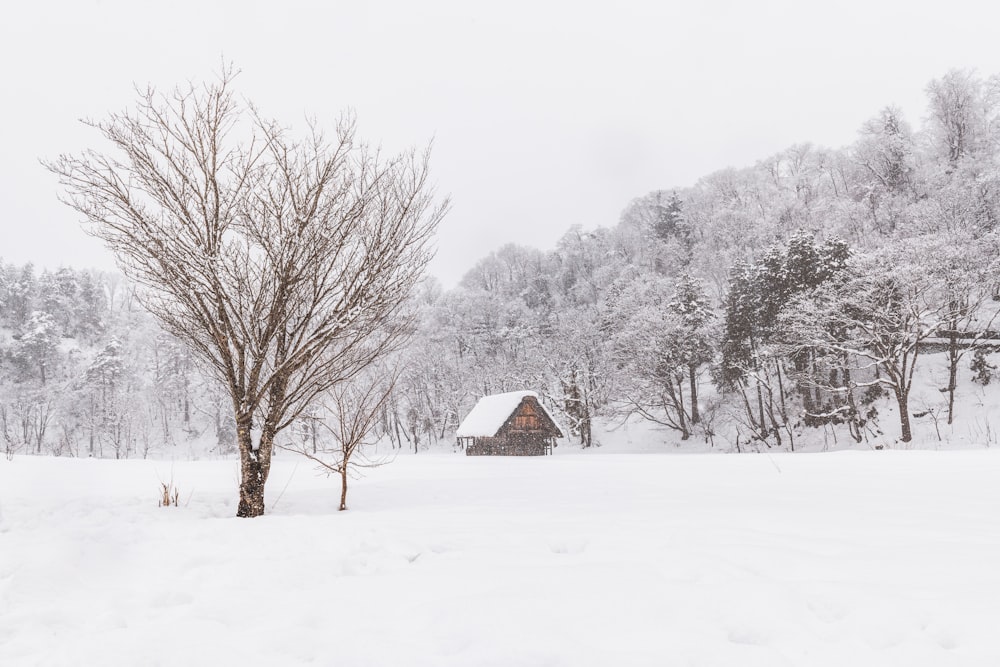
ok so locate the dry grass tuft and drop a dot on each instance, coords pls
(170, 495)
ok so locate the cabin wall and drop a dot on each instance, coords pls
(510, 444)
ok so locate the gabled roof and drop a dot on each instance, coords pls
(491, 412)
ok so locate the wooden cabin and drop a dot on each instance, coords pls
(511, 424)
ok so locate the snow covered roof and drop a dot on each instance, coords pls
(492, 411)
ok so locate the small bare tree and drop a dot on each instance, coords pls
(283, 262)
(353, 409)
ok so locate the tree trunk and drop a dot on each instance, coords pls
(784, 413)
(760, 407)
(343, 487)
(693, 380)
(255, 464)
(854, 425)
(953, 358)
(398, 441)
(584, 422)
(805, 364)
(252, 473)
(679, 404)
(902, 400)
(93, 418)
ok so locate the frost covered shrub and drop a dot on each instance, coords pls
(982, 369)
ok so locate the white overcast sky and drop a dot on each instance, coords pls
(543, 114)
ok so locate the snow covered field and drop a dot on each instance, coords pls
(848, 558)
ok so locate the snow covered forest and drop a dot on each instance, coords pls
(793, 301)
(760, 305)
(87, 372)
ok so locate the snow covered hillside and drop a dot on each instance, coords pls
(847, 558)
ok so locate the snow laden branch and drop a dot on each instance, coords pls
(878, 315)
(662, 340)
(283, 261)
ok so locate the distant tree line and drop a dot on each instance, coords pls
(756, 304)
(84, 371)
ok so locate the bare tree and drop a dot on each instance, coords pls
(353, 409)
(282, 262)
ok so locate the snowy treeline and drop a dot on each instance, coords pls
(761, 302)
(85, 371)
(802, 292)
